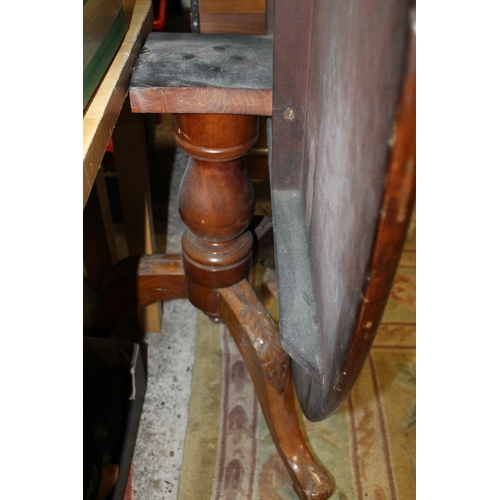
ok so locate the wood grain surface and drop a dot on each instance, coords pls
(216, 202)
(292, 35)
(359, 181)
(244, 17)
(194, 73)
(244, 24)
(100, 116)
(138, 281)
(233, 6)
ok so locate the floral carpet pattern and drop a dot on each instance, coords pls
(368, 445)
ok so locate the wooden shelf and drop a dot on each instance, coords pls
(100, 116)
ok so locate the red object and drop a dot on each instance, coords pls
(109, 147)
(160, 7)
(159, 22)
(129, 491)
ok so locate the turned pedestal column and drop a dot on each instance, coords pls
(216, 202)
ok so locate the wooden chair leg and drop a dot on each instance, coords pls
(257, 338)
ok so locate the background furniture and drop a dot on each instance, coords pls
(106, 116)
(246, 17)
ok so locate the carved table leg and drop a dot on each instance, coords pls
(216, 201)
(257, 337)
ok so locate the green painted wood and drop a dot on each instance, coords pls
(98, 17)
(99, 64)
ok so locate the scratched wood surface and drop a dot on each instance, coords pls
(334, 116)
(195, 73)
(348, 137)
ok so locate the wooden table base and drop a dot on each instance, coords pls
(216, 202)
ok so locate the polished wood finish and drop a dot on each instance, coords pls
(290, 80)
(215, 137)
(217, 247)
(329, 171)
(232, 6)
(329, 165)
(217, 255)
(216, 201)
(138, 281)
(394, 217)
(257, 338)
(246, 17)
(194, 73)
(246, 24)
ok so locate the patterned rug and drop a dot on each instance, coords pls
(368, 446)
